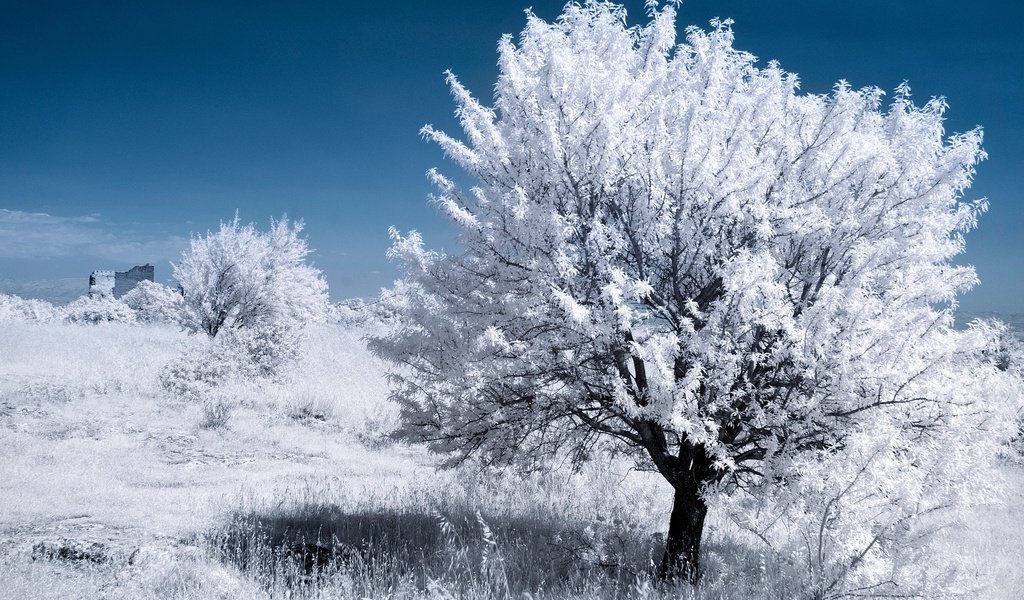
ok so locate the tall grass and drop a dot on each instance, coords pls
(477, 534)
(88, 359)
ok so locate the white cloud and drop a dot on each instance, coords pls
(26, 235)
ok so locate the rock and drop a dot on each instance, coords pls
(72, 551)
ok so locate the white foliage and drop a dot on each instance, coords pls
(861, 516)
(204, 365)
(671, 249)
(236, 356)
(101, 309)
(15, 309)
(155, 302)
(240, 277)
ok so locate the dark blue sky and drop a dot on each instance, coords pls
(127, 126)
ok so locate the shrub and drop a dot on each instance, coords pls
(199, 369)
(99, 310)
(309, 405)
(265, 351)
(17, 309)
(155, 302)
(216, 413)
(207, 364)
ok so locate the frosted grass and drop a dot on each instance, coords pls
(94, 449)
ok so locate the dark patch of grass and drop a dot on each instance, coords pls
(72, 551)
(467, 549)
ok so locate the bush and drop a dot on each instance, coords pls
(216, 413)
(155, 303)
(265, 350)
(307, 405)
(262, 353)
(865, 516)
(197, 371)
(17, 309)
(99, 310)
(1007, 355)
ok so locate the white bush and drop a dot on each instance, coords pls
(99, 310)
(1008, 356)
(17, 309)
(265, 351)
(207, 364)
(195, 373)
(155, 302)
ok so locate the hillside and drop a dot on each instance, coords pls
(126, 484)
(114, 488)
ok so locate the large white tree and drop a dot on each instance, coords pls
(240, 277)
(671, 251)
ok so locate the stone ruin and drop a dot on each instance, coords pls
(118, 283)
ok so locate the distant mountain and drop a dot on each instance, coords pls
(56, 291)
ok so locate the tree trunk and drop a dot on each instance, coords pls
(685, 529)
(688, 471)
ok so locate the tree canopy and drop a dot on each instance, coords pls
(670, 251)
(239, 277)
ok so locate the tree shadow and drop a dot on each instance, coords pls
(527, 553)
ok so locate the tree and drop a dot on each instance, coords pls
(239, 277)
(671, 252)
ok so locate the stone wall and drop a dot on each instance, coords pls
(124, 282)
(101, 284)
(117, 284)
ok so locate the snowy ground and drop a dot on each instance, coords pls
(95, 443)
(96, 455)
(95, 451)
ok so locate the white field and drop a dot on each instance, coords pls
(94, 450)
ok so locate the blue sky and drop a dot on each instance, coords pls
(127, 126)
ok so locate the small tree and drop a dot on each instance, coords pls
(239, 277)
(671, 252)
